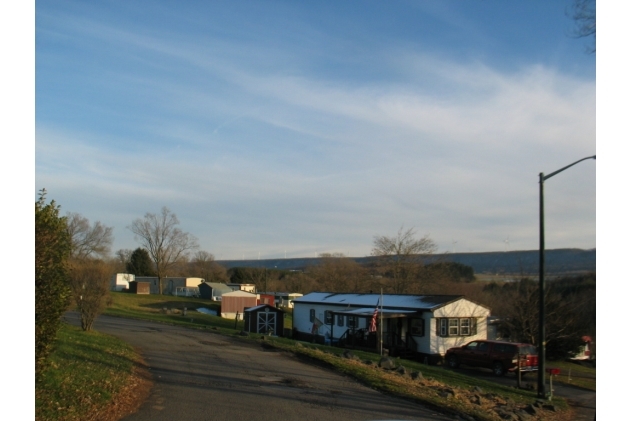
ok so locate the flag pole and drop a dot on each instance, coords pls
(381, 327)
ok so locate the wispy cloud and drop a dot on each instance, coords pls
(259, 147)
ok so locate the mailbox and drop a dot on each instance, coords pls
(553, 371)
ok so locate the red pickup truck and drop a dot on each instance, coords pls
(498, 356)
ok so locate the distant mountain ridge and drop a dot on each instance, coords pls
(524, 262)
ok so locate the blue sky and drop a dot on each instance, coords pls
(297, 128)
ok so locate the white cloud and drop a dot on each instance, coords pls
(258, 158)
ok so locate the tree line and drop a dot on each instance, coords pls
(570, 304)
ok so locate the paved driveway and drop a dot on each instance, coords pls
(199, 375)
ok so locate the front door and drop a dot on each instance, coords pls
(394, 335)
(266, 323)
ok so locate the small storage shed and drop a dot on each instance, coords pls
(152, 281)
(233, 303)
(213, 290)
(264, 319)
(136, 287)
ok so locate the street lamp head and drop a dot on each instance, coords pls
(543, 177)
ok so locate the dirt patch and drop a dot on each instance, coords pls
(286, 381)
(129, 399)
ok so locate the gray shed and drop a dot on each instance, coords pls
(264, 319)
(213, 290)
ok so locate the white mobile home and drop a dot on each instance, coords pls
(286, 299)
(405, 325)
(172, 285)
(243, 287)
(120, 281)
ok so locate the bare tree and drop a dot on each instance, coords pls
(256, 276)
(298, 282)
(431, 278)
(123, 257)
(518, 306)
(89, 283)
(203, 265)
(583, 13)
(398, 256)
(182, 267)
(88, 240)
(164, 241)
(337, 273)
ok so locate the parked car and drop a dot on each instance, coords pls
(501, 357)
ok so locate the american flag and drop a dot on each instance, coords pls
(373, 321)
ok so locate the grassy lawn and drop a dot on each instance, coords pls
(577, 374)
(151, 307)
(86, 370)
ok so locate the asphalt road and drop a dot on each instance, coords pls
(200, 375)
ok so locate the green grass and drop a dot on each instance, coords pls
(153, 304)
(151, 307)
(85, 370)
(577, 374)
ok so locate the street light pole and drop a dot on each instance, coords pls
(541, 385)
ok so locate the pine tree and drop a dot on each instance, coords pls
(140, 263)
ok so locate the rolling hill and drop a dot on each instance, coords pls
(524, 262)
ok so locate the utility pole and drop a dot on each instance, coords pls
(541, 383)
